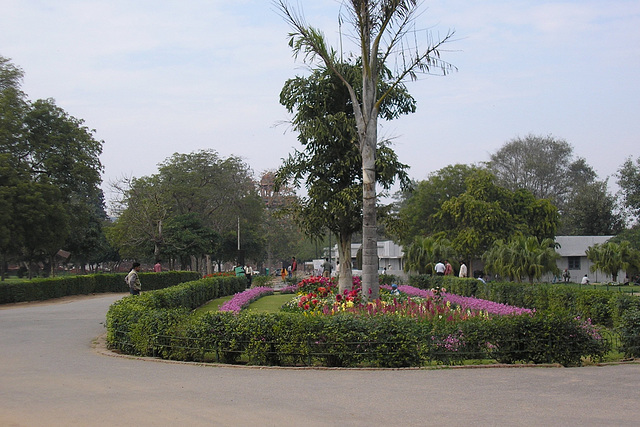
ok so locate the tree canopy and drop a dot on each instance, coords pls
(198, 196)
(54, 159)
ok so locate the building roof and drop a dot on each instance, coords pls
(577, 245)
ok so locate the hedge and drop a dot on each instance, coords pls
(601, 306)
(57, 287)
(134, 320)
(162, 324)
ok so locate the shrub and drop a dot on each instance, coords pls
(630, 333)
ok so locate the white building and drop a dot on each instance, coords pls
(573, 250)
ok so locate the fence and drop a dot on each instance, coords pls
(313, 352)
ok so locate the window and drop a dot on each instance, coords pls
(574, 263)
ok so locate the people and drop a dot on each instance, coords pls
(566, 275)
(248, 272)
(585, 280)
(294, 267)
(394, 290)
(157, 268)
(448, 270)
(133, 280)
(326, 268)
(283, 274)
(463, 269)
(440, 268)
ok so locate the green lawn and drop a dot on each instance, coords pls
(268, 304)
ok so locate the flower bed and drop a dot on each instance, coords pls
(243, 299)
(465, 302)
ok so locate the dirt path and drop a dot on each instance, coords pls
(50, 375)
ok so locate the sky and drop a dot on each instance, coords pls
(154, 78)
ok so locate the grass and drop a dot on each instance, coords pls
(213, 305)
(267, 304)
(270, 303)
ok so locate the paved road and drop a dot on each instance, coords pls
(51, 376)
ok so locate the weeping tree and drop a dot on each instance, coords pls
(385, 35)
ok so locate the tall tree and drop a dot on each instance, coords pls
(629, 182)
(57, 150)
(384, 35)
(220, 191)
(331, 163)
(544, 165)
(591, 211)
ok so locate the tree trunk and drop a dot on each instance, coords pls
(370, 284)
(345, 273)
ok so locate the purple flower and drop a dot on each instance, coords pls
(243, 299)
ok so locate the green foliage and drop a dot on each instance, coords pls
(424, 252)
(51, 172)
(143, 324)
(43, 289)
(630, 333)
(611, 257)
(424, 200)
(200, 197)
(629, 182)
(522, 257)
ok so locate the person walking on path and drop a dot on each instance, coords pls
(294, 266)
(448, 270)
(440, 268)
(463, 269)
(326, 268)
(133, 280)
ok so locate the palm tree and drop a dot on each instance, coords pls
(523, 256)
(425, 252)
(610, 257)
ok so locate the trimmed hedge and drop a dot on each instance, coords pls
(603, 307)
(57, 287)
(134, 320)
(162, 324)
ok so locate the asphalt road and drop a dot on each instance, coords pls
(51, 375)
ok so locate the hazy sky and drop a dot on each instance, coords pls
(165, 76)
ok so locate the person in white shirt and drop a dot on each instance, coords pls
(440, 268)
(463, 270)
(585, 280)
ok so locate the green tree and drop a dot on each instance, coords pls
(423, 253)
(56, 150)
(220, 191)
(611, 257)
(522, 256)
(331, 164)
(384, 35)
(486, 212)
(544, 165)
(629, 182)
(592, 211)
(186, 237)
(419, 204)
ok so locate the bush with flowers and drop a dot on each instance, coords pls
(413, 328)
